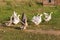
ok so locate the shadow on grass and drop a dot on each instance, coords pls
(12, 26)
(18, 28)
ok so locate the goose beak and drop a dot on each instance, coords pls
(41, 14)
(52, 12)
(18, 15)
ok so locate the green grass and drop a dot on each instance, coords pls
(30, 8)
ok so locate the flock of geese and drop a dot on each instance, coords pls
(36, 19)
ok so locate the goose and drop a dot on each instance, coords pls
(13, 19)
(37, 19)
(24, 21)
(16, 19)
(47, 16)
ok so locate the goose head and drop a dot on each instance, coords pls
(18, 15)
(46, 14)
(51, 13)
(15, 14)
(41, 14)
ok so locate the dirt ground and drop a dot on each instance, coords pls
(50, 32)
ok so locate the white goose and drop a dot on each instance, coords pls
(47, 16)
(16, 19)
(37, 19)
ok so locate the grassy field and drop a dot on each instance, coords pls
(30, 8)
(14, 34)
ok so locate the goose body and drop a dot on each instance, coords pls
(47, 17)
(37, 19)
(16, 19)
(24, 21)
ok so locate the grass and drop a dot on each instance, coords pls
(14, 34)
(30, 8)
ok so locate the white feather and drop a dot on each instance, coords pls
(47, 17)
(16, 18)
(37, 19)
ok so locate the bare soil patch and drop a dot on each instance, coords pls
(50, 32)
